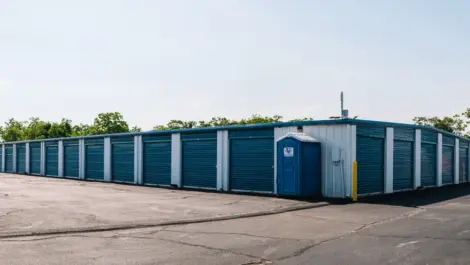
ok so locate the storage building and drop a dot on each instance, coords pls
(344, 158)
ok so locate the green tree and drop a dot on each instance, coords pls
(82, 130)
(179, 124)
(36, 129)
(136, 129)
(109, 122)
(221, 121)
(160, 128)
(217, 122)
(302, 119)
(258, 119)
(456, 124)
(13, 130)
(61, 130)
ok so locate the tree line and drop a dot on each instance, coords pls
(114, 122)
(37, 129)
(458, 124)
(221, 121)
(110, 122)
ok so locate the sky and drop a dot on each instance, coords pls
(159, 60)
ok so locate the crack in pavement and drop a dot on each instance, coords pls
(262, 262)
(296, 253)
(142, 225)
(324, 219)
(417, 237)
(12, 212)
(195, 245)
(355, 231)
(228, 233)
(55, 237)
(258, 259)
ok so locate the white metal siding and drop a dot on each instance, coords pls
(106, 159)
(176, 159)
(138, 161)
(456, 161)
(417, 158)
(337, 145)
(43, 158)
(28, 159)
(14, 159)
(3, 158)
(222, 160)
(389, 138)
(81, 158)
(60, 160)
(439, 160)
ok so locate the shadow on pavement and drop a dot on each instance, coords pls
(421, 197)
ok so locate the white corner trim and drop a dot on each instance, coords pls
(176, 160)
(389, 160)
(456, 161)
(107, 159)
(439, 160)
(417, 160)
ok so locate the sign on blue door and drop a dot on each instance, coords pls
(288, 151)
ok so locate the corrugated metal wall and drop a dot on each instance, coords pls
(403, 159)
(157, 159)
(448, 156)
(122, 159)
(338, 153)
(52, 159)
(199, 157)
(252, 160)
(428, 158)
(370, 159)
(94, 159)
(463, 163)
(35, 158)
(21, 158)
(9, 158)
(71, 159)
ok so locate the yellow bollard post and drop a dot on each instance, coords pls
(354, 181)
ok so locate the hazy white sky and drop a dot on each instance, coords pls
(159, 60)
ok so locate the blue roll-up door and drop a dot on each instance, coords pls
(370, 159)
(94, 159)
(428, 158)
(71, 159)
(157, 159)
(403, 159)
(122, 159)
(252, 160)
(35, 158)
(448, 160)
(52, 159)
(21, 158)
(463, 162)
(9, 158)
(199, 160)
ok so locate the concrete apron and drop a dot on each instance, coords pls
(139, 225)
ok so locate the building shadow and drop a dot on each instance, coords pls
(422, 197)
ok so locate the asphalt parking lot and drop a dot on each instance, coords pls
(30, 204)
(426, 227)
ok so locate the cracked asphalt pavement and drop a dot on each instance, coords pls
(425, 227)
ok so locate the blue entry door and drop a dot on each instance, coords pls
(289, 172)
